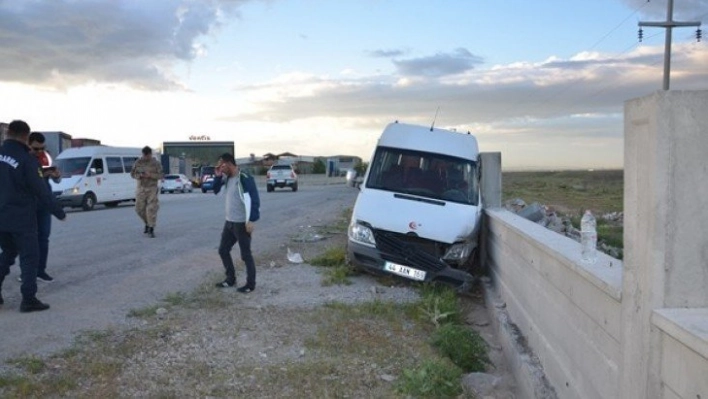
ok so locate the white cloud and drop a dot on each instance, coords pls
(440, 64)
(65, 43)
(684, 10)
(116, 64)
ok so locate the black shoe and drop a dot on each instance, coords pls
(151, 232)
(245, 289)
(32, 305)
(225, 284)
(44, 277)
(1, 300)
(147, 229)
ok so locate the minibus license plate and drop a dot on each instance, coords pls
(405, 271)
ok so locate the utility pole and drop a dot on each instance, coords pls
(669, 24)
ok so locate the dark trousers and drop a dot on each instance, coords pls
(236, 233)
(27, 245)
(44, 228)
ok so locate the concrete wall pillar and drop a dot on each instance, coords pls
(665, 225)
(491, 187)
(491, 180)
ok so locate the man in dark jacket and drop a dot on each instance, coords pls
(242, 210)
(23, 187)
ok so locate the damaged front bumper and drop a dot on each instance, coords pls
(407, 256)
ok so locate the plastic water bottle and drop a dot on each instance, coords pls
(588, 237)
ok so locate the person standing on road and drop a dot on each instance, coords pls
(44, 216)
(242, 210)
(147, 171)
(23, 186)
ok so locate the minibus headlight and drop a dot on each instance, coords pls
(459, 252)
(361, 234)
(71, 191)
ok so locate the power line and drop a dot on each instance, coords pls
(562, 89)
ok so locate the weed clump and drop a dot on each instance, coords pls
(435, 378)
(464, 347)
(335, 256)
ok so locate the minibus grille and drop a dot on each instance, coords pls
(409, 250)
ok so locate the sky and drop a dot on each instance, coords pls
(542, 82)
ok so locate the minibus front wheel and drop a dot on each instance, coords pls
(88, 202)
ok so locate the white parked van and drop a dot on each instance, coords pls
(95, 175)
(418, 212)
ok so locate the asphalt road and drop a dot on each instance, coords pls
(104, 266)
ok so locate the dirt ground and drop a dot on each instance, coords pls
(208, 342)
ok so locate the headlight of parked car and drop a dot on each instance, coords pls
(361, 234)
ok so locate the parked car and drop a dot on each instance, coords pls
(353, 178)
(176, 183)
(207, 178)
(208, 184)
(281, 175)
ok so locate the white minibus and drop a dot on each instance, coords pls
(418, 212)
(95, 175)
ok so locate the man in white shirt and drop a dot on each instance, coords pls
(242, 211)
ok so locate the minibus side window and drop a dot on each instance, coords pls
(115, 165)
(129, 162)
(96, 167)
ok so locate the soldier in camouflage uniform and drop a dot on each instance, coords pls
(148, 172)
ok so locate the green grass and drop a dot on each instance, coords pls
(439, 305)
(570, 193)
(31, 364)
(334, 256)
(336, 272)
(464, 347)
(601, 191)
(144, 312)
(434, 378)
(177, 298)
(612, 235)
(338, 275)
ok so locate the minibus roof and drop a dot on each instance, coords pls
(421, 138)
(91, 151)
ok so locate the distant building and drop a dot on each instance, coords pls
(194, 154)
(56, 142)
(75, 143)
(337, 165)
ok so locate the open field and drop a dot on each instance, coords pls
(570, 193)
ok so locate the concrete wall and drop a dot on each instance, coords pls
(568, 312)
(683, 350)
(637, 329)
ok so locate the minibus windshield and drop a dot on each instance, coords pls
(424, 174)
(72, 166)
